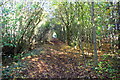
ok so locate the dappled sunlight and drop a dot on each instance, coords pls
(55, 60)
(55, 63)
(52, 39)
(34, 59)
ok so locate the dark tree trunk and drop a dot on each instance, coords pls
(94, 37)
(118, 25)
(68, 35)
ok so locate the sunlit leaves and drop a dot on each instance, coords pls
(19, 6)
(69, 20)
(17, 22)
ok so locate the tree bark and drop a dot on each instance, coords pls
(118, 25)
(68, 35)
(94, 37)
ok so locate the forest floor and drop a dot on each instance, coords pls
(55, 60)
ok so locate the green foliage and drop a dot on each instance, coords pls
(13, 70)
(17, 26)
(105, 69)
(72, 23)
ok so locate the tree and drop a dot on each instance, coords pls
(65, 14)
(118, 24)
(18, 25)
(94, 36)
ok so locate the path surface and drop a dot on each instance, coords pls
(56, 60)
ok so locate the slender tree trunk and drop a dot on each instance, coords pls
(118, 25)
(94, 37)
(68, 35)
(82, 49)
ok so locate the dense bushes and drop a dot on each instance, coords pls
(18, 26)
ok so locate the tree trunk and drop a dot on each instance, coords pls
(68, 35)
(94, 37)
(118, 25)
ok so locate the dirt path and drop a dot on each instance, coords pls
(54, 59)
(54, 62)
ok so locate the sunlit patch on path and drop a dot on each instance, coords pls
(57, 61)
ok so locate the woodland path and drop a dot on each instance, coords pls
(56, 60)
